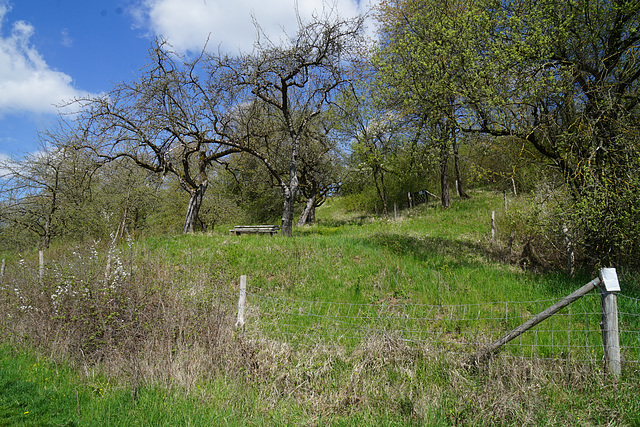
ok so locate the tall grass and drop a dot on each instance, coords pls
(149, 324)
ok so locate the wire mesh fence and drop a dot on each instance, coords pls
(574, 332)
(629, 324)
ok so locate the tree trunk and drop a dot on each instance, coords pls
(382, 194)
(287, 211)
(194, 207)
(308, 215)
(444, 175)
(311, 219)
(456, 160)
(290, 191)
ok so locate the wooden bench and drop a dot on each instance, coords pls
(254, 229)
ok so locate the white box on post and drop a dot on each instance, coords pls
(609, 278)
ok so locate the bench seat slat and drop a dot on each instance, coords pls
(246, 229)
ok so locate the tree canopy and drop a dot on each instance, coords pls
(562, 76)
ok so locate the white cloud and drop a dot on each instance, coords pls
(4, 160)
(27, 83)
(67, 41)
(228, 24)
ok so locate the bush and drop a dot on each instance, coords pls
(119, 308)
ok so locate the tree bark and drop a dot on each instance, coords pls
(308, 215)
(311, 219)
(287, 211)
(456, 160)
(290, 191)
(194, 207)
(444, 175)
(380, 187)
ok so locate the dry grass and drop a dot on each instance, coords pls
(144, 324)
(134, 317)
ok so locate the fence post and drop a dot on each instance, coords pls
(409, 196)
(505, 201)
(2, 269)
(569, 250)
(609, 287)
(493, 226)
(242, 298)
(395, 211)
(41, 266)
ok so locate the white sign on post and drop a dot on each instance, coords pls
(610, 279)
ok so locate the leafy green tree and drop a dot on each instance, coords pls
(419, 64)
(562, 76)
(569, 75)
(375, 136)
(123, 197)
(254, 188)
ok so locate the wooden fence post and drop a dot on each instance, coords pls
(2, 269)
(242, 299)
(410, 203)
(610, 333)
(395, 211)
(41, 266)
(493, 226)
(569, 250)
(505, 201)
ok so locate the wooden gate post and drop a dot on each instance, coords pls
(609, 286)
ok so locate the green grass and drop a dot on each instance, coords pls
(431, 256)
(154, 358)
(36, 391)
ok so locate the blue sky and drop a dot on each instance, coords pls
(55, 50)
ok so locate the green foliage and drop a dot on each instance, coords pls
(608, 216)
(561, 76)
(254, 190)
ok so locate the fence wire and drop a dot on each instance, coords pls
(572, 333)
(629, 326)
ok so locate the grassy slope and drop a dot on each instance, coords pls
(430, 256)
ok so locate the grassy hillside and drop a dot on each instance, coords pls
(143, 333)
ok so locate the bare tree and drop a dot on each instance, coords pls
(41, 189)
(284, 90)
(164, 121)
(320, 171)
